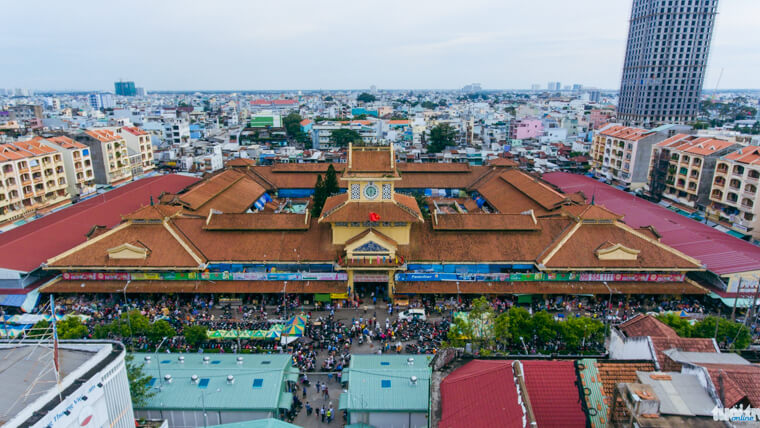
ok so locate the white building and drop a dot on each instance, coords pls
(93, 391)
(176, 131)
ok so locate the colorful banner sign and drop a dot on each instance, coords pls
(541, 276)
(207, 276)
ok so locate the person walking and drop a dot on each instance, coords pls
(329, 415)
(308, 409)
(322, 413)
(304, 392)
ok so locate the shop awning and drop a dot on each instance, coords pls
(343, 401)
(286, 400)
(322, 297)
(525, 298)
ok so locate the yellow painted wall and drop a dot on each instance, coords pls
(749, 281)
(363, 184)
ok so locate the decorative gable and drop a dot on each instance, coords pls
(370, 247)
(610, 251)
(128, 251)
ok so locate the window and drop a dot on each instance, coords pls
(257, 383)
(203, 384)
(385, 383)
(355, 191)
(386, 191)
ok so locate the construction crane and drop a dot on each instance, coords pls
(717, 83)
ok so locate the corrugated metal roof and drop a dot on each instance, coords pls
(258, 423)
(705, 357)
(258, 381)
(679, 394)
(376, 386)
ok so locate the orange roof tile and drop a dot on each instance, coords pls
(134, 130)
(66, 142)
(258, 221)
(696, 145)
(482, 221)
(624, 132)
(103, 135)
(747, 155)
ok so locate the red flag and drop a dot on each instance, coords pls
(374, 217)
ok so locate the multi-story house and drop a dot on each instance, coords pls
(176, 131)
(80, 175)
(109, 154)
(682, 168)
(138, 143)
(32, 177)
(734, 190)
(621, 154)
(322, 133)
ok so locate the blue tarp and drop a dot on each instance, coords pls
(15, 300)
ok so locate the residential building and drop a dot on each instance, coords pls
(91, 391)
(369, 132)
(621, 154)
(176, 131)
(600, 117)
(30, 115)
(526, 128)
(78, 165)
(734, 190)
(110, 157)
(102, 100)
(682, 168)
(195, 390)
(665, 61)
(388, 391)
(32, 177)
(125, 89)
(138, 145)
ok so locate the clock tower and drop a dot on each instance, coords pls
(371, 221)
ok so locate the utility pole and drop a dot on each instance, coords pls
(736, 300)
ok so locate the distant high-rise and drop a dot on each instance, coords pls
(126, 89)
(665, 59)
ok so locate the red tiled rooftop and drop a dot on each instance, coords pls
(554, 393)
(720, 252)
(748, 155)
(482, 393)
(26, 247)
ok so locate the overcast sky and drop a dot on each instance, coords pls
(325, 44)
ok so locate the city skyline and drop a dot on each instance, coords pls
(300, 45)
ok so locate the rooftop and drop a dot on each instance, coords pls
(384, 383)
(694, 144)
(258, 382)
(722, 253)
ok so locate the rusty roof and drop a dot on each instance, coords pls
(483, 221)
(258, 221)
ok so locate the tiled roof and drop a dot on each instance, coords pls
(134, 130)
(591, 212)
(694, 144)
(481, 394)
(103, 135)
(690, 344)
(66, 142)
(230, 191)
(258, 221)
(554, 393)
(370, 161)
(545, 196)
(408, 167)
(577, 249)
(740, 383)
(612, 373)
(624, 132)
(339, 209)
(165, 249)
(66, 228)
(646, 325)
(719, 251)
(484, 222)
(747, 155)
(153, 212)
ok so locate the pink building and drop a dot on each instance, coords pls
(526, 128)
(600, 117)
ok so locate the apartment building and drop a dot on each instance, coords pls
(682, 168)
(621, 154)
(176, 131)
(32, 177)
(109, 154)
(77, 161)
(322, 133)
(526, 128)
(734, 190)
(139, 147)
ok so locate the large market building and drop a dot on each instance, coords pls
(489, 229)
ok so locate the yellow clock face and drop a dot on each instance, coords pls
(370, 191)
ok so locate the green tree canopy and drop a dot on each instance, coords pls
(195, 334)
(733, 334)
(331, 181)
(138, 382)
(441, 136)
(161, 329)
(318, 200)
(341, 137)
(366, 98)
(71, 328)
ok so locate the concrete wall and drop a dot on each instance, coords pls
(391, 419)
(630, 348)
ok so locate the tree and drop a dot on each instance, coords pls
(195, 335)
(138, 382)
(341, 137)
(680, 325)
(292, 124)
(366, 98)
(460, 332)
(161, 329)
(519, 323)
(318, 200)
(331, 182)
(501, 329)
(429, 105)
(732, 334)
(441, 136)
(544, 326)
(71, 328)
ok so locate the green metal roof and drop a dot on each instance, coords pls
(374, 385)
(258, 423)
(261, 121)
(258, 381)
(594, 394)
